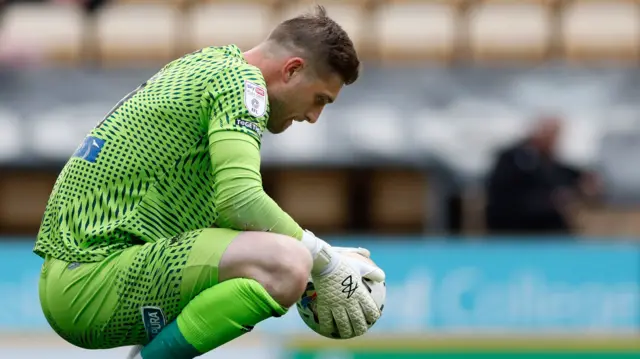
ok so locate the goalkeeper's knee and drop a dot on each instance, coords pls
(279, 263)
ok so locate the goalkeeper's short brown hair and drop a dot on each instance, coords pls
(322, 40)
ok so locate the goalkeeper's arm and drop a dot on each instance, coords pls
(240, 199)
(242, 203)
(234, 136)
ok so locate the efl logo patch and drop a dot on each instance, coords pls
(255, 99)
(90, 149)
(154, 321)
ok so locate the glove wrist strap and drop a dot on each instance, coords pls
(325, 260)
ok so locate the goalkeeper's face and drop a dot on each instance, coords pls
(301, 95)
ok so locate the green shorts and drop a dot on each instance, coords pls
(127, 298)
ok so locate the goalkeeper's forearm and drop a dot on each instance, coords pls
(250, 208)
(242, 203)
(240, 199)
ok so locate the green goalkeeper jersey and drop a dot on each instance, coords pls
(179, 153)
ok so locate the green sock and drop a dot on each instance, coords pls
(169, 343)
(215, 317)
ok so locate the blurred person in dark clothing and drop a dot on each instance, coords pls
(90, 6)
(530, 191)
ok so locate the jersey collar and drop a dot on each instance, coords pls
(234, 51)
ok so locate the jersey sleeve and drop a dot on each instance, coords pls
(239, 114)
(238, 102)
(240, 199)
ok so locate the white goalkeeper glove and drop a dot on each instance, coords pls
(361, 251)
(343, 301)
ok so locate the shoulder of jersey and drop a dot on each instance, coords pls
(255, 97)
(255, 92)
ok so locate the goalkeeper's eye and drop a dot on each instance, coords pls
(323, 100)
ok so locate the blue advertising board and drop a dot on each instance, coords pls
(441, 286)
(504, 287)
(19, 274)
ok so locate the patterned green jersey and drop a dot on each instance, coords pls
(146, 172)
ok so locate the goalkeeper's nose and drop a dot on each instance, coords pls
(312, 117)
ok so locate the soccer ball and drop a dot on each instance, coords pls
(307, 304)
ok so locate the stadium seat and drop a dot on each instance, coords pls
(601, 30)
(10, 137)
(581, 137)
(509, 30)
(216, 23)
(302, 141)
(398, 201)
(54, 137)
(272, 3)
(176, 3)
(616, 154)
(317, 199)
(416, 30)
(375, 129)
(350, 14)
(432, 132)
(47, 32)
(23, 198)
(137, 33)
(608, 222)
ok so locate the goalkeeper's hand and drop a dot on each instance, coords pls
(359, 250)
(343, 301)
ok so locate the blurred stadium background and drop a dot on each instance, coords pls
(398, 164)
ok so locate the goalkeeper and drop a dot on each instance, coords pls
(158, 232)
